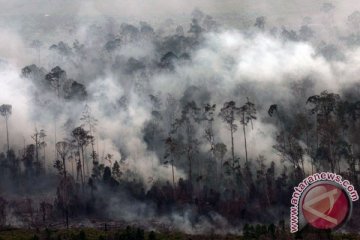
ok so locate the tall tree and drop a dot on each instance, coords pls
(324, 107)
(5, 111)
(38, 143)
(42, 135)
(172, 151)
(82, 139)
(190, 116)
(228, 115)
(209, 111)
(63, 149)
(220, 150)
(247, 114)
(91, 123)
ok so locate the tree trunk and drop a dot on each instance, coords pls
(302, 165)
(221, 171)
(232, 147)
(43, 139)
(173, 176)
(56, 153)
(64, 164)
(246, 155)
(83, 165)
(190, 165)
(37, 147)
(87, 164)
(67, 217)
(332, 160)
(7, 133)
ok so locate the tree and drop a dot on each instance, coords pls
(42, 136)
(91, 123)
(3, 205)
(116, 172)
(190, 115)
(55, 79)
(293, 153)
(228, 115)
(63, 149)
(209, 111)
(352, 116)
(172, 148)
(247, 113)
(5, 111)
(324, 107)
(82, 139)
(38, 137)
(108, 179)
(77, 91)
(66, 196)
(220, 150)
(303, 126)
(195, 28)
(28, 159)
(260, 23)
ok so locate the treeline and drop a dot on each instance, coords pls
(241, 189)
(224, 181)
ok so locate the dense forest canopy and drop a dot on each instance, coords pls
(196, 122)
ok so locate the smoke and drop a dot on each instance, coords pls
(227, 64)
(186, 220)
(121, 65)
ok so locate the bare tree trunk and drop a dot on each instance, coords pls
(302, 165)
(317, 134)
(232, 147)
(64, 164)
(67, 216)
(246, 155)
(44, 146)
(173, 176)
(56, 153)
(190, 165)
(309, 150)
(83, 165)
(72, 168)
(66, 195)
(7, 133)
(332, 160)
(37, 147)
(87, 164)
(221, 171)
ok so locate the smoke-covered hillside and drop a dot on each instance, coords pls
(176, 119)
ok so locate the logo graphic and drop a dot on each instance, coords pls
(322, 200)
(325, 206)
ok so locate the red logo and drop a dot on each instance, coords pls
(325, 206)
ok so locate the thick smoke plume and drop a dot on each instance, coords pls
(136, 78)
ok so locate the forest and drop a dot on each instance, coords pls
(141, 130)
